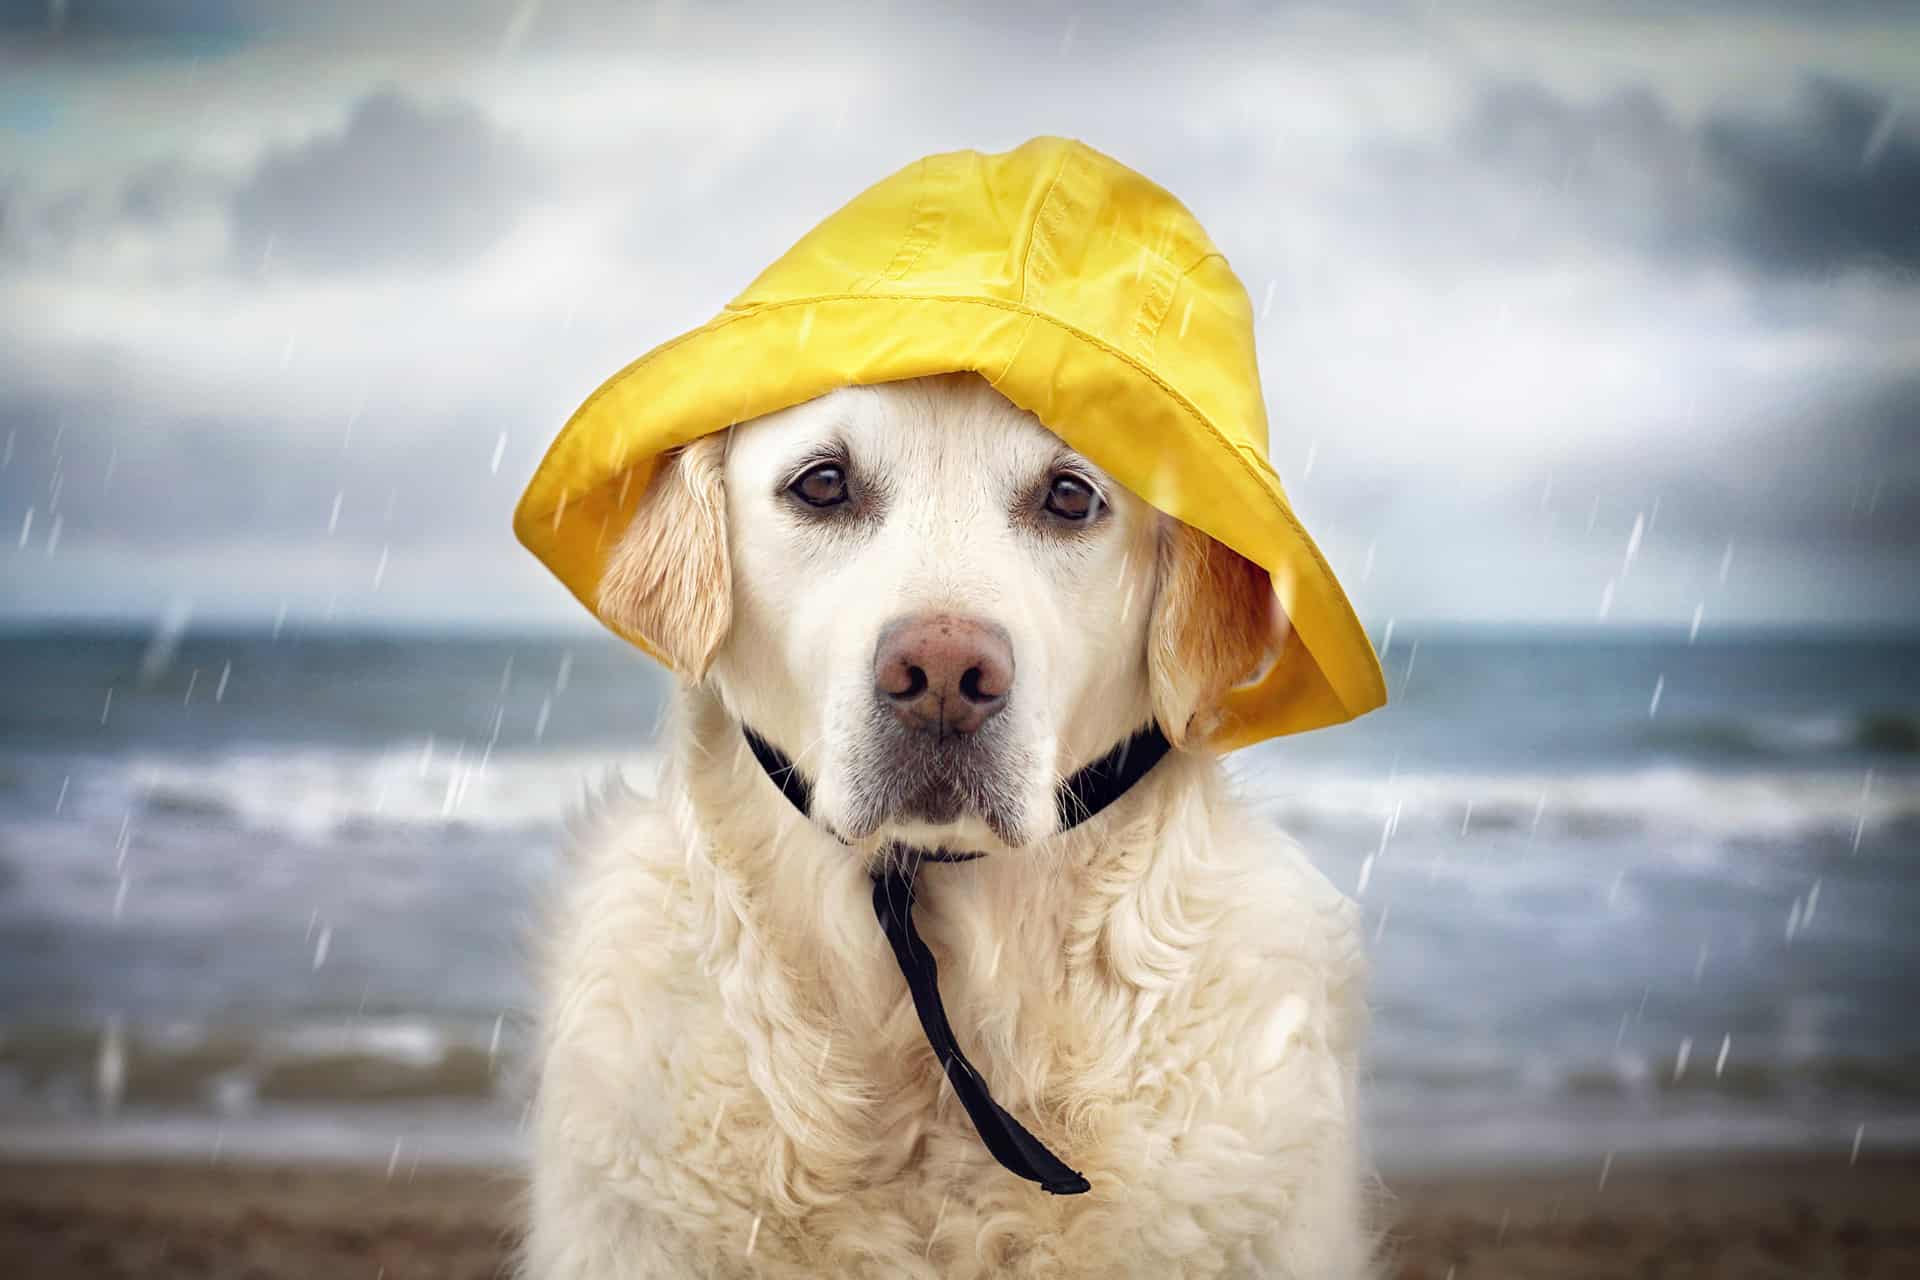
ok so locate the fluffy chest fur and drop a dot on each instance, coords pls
(733, 1081)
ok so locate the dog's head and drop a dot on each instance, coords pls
(933, 605)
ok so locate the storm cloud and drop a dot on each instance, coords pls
(1827, 182)
(1835, 185)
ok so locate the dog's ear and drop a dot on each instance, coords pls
(1215, 623)
(669, 579)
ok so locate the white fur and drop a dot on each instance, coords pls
(732, 1080)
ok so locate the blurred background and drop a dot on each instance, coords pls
(1591, 343)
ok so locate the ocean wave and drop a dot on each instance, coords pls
(1781, 804)
(233, 1068)
(1884, 732)
(321, 794)
(359, 796)
(1741, 1079)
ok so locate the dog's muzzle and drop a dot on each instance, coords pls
(894, 888)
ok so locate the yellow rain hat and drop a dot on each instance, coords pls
(1084, 293)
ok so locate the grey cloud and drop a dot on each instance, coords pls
(1832, 183)
(1837, 185)
(404, 183)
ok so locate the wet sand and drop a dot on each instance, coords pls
(1726, 1217)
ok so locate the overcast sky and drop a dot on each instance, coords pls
(293, 296)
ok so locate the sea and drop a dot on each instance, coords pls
(269, 892)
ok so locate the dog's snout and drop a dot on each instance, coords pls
(942, 673)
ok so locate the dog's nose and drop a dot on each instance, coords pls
(942, 673)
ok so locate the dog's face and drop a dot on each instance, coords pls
(933, 605)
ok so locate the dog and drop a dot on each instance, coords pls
(938, 611)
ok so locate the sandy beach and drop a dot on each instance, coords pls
(1729, 1217)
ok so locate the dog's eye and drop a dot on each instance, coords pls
(1072, 499)
(821, 486)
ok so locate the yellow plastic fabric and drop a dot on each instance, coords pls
(1083, 292)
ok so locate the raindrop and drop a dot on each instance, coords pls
(1726, 562)
(493, 1044)
(1860, 823)
(1633, 542)
(1266, 309)
(1693, 631)
(1680, 1060)
(566, 672)
(1720, 1063)
(1606, 1168)
(110, 1066)
(321, 947)
(1366, 874)
(1659, 687)
(1881, 135)
(1813, 900)
(53, 534)
(499, 448)
(1860, 1131)
(107, 706)
(1381, 928)
(192, 680)
(1386, 640)
(380, 570)
(333, 517)
(1606, 600)
(60, 801)
(393, 1161)
(120, 898)
(540, 722)
(160, 651)
(1466, 819)
(346, 436)
(26, 529)
(226, 672)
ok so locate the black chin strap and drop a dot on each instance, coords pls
(1080, 797)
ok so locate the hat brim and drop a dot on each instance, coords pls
(751, 361)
